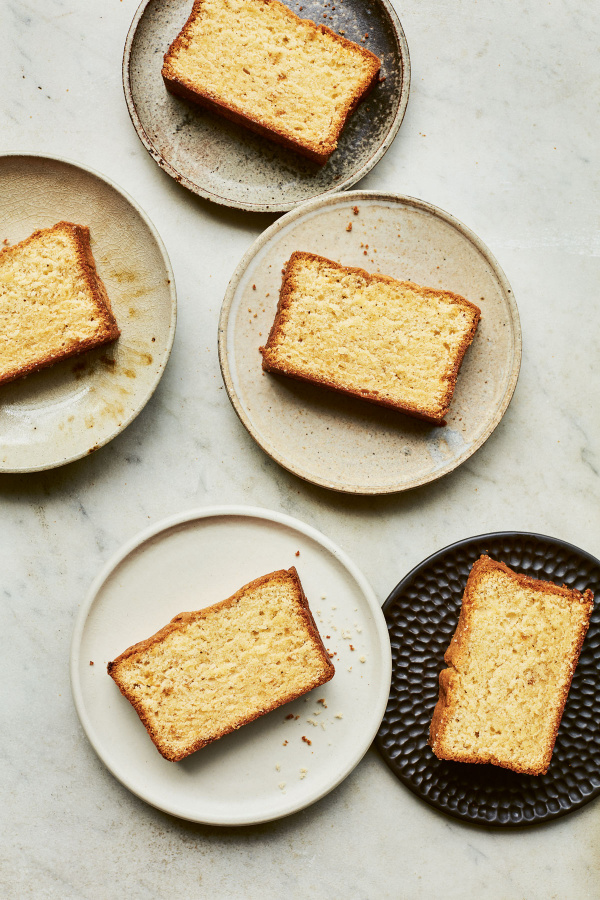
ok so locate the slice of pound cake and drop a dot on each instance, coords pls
(53, 303)
(257, 63)
(207, 673)
(511, 662)
(391, 342)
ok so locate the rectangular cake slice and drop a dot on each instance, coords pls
(53, 303)
(257, 63)
(207, 673)
(394, 343)
(511, 662)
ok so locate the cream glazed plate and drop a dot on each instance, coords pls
(345, 443)
(70, 409)
(265, 770)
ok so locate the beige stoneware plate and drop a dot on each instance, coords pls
(64, 412)
(265, 770)
(230, 165)
(341, 442)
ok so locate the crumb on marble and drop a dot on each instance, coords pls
(355, 210)
(363, 659)
(349, 226)
(306, 740)
(339, 715)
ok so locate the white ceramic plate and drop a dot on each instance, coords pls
(342, 442)
(64, 412)
(194, 560)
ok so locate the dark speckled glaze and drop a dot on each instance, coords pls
(229, 164)
(422, 613)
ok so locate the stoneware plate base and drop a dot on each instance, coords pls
(70, 409)
(345, 443)
(227, 163)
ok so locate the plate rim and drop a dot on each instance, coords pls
(273, 207)
(351, 197)
(391, 600)
(483, 537)
(237, 510)
(16, 154)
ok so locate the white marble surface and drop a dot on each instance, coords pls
(502, 131)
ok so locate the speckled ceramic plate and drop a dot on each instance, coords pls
(64, 412)
(255, 774)
(341, 442)
(229, 164)
(422, 613)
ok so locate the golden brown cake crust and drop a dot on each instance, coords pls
(271, 364)
(458, 648)
(189, 91)
(187, 617)
(109, 331)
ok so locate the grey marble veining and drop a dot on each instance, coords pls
(502, 131)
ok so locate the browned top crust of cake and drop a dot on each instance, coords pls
(209, 672)
(259, 64)
(394, 343)
(53, 303)
(511, 662)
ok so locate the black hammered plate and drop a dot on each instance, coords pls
(422, 613)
